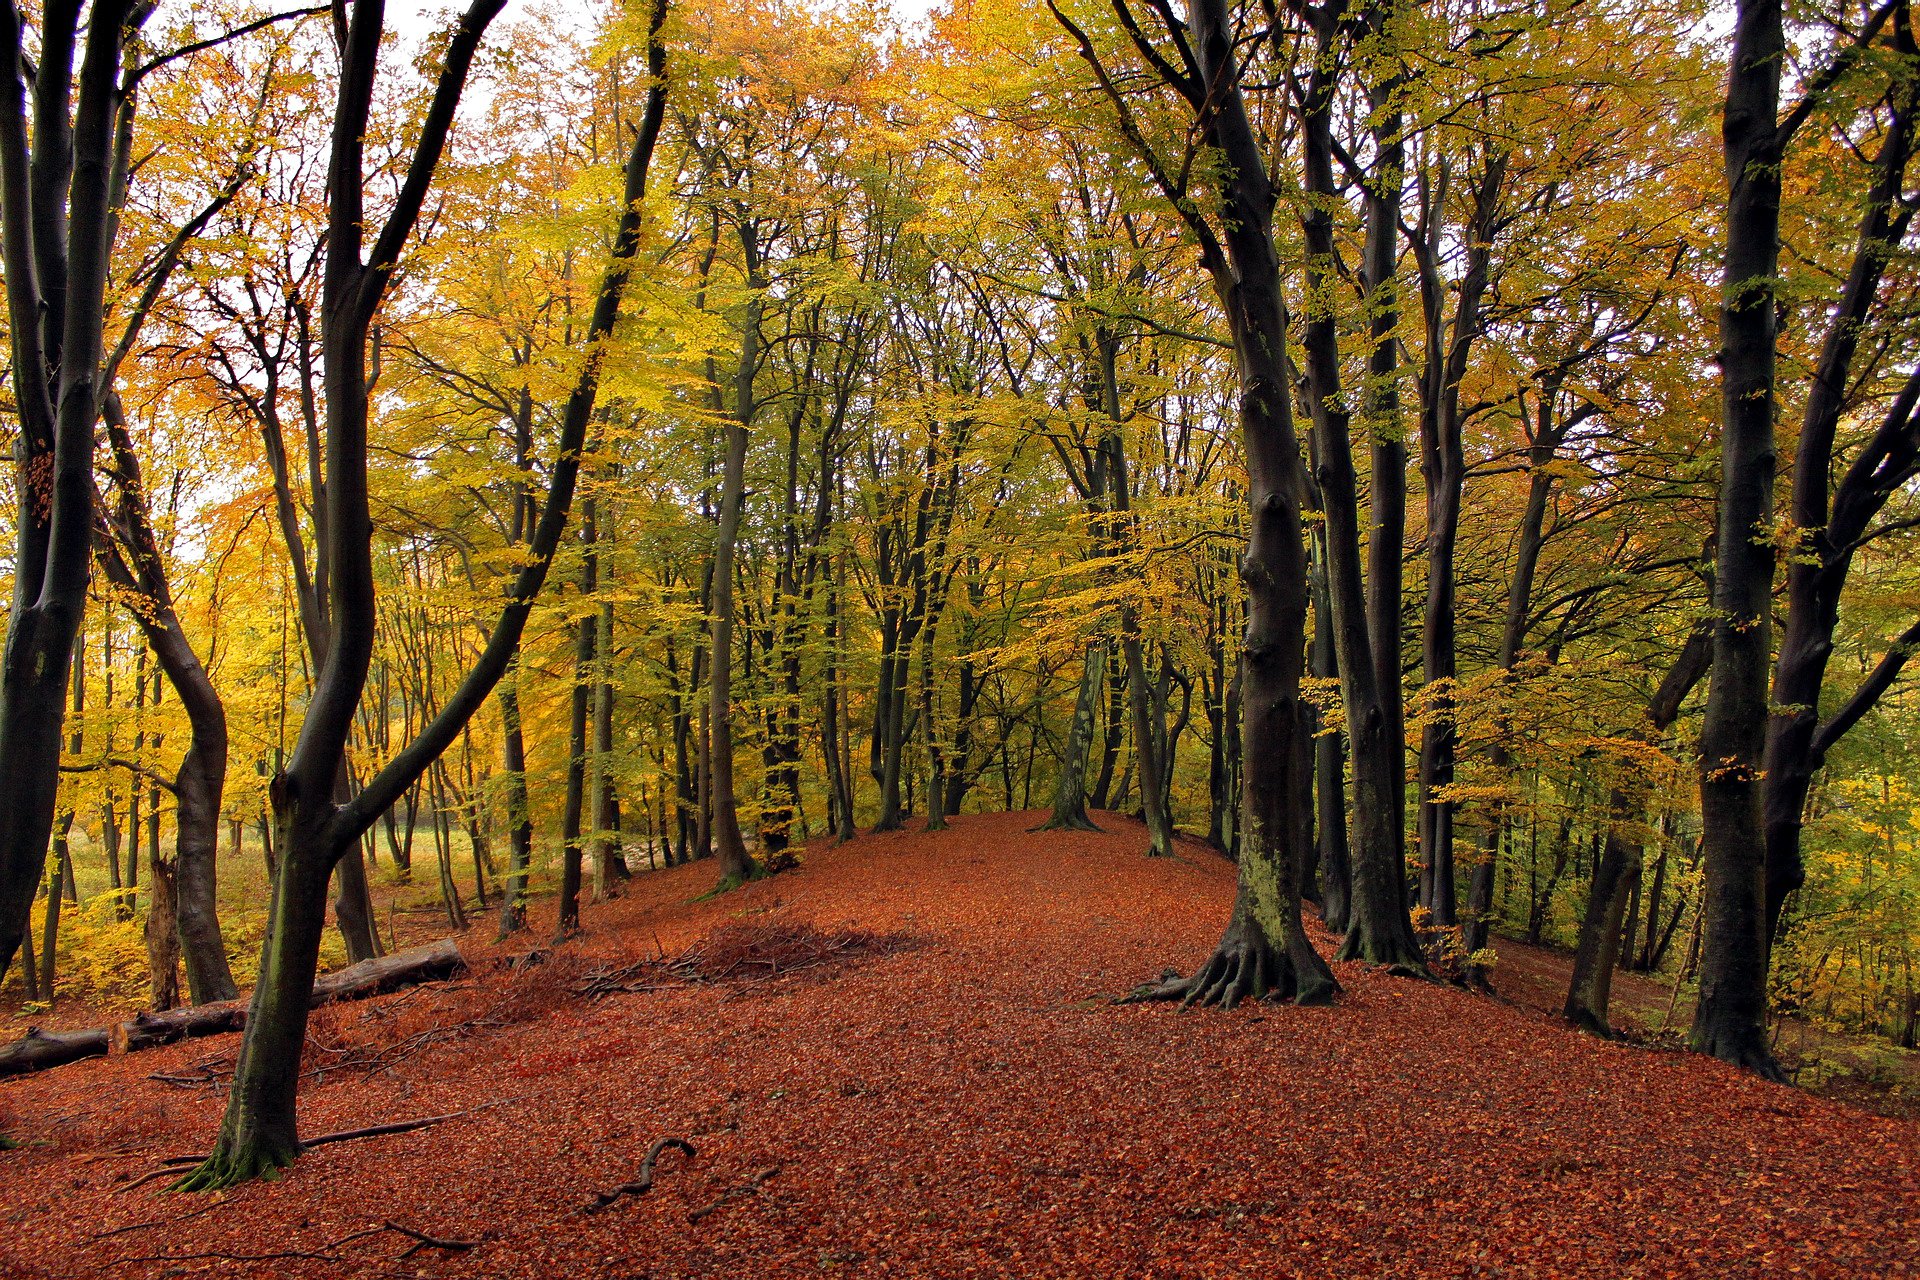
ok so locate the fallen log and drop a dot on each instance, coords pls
(145, 1030)
(38, 1050)
(433, 962)
(429, 963)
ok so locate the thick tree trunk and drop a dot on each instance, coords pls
(55, 242)
(1379, 929)
(201, 779)
(1264, 951)
(1387, 436)
(259, 1132)
(1730, 1018)
(39, 1050)
(1830, 520)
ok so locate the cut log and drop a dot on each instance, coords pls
(433, 962)
(429, 963)
(38, 1050)
(145, 1030)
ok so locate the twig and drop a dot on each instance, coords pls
(421, 1240)
(158, 1222)
(760, 1179)
(642, 1184)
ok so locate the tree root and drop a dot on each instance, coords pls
(223, 1169)
(1584, 1019)
(1243, 967)
(1743, 1051)
(1402, 959)
(421, 1240)
(325, 1253)
(1076, 822)
(642, 1184)
(751, 1187)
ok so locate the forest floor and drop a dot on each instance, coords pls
(932, 1081)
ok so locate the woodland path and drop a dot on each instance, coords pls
(969, 1106)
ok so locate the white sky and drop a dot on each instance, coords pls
(414, 17)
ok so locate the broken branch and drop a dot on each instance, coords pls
(642, 1184)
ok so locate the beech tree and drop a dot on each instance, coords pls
(56, 238)
(1264, 951)
(260, 1133)
(1730, 1018)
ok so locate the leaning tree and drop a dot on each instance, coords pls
(259, 1133)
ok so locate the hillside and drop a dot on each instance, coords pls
(953, 1094)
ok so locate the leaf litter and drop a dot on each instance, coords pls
(930, 1081)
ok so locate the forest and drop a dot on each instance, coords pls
(1318, 588)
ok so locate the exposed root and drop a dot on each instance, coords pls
(264, 1159)
(1746, 1052)
(1402, 958)
(643, 1183)
(1585, 1019)
(1245, 966)
(235, 1163)
(325, 1253)
(421, 1240)
(1073, 822)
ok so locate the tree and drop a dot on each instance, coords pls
(1833, 520)
(56, 238)
(1730, 1019)
(259, 1133)
(1264, 951)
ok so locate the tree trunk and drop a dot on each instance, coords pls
(513, 896)
(1730, 1018)
(56, 180)
(1070, 784)
(586, 635)
(1152, 782)
(1264, 951)
(1379, 929)
(1617, 872)
(735, 863)
(259, 1131)
(1329, 767)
